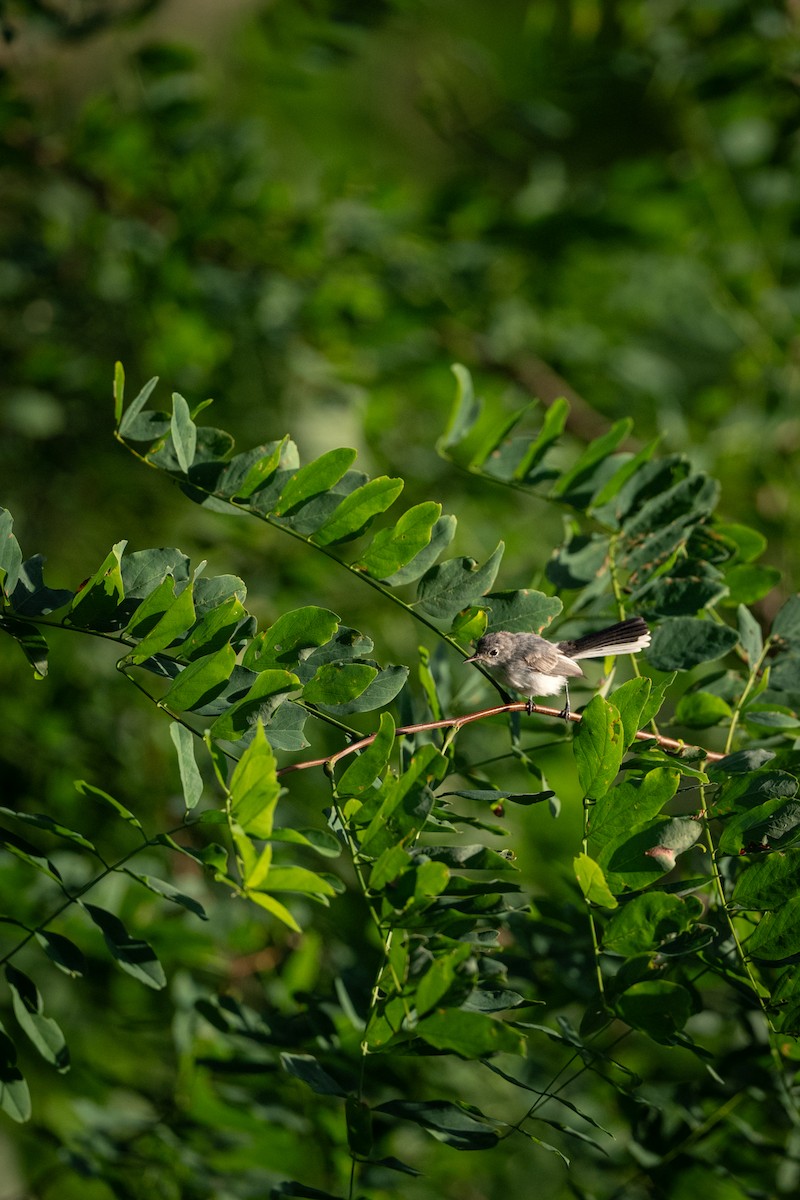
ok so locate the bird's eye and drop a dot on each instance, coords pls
(493, 653)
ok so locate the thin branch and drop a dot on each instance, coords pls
(665, 743)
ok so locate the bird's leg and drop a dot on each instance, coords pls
(530, 706)
(566, 709)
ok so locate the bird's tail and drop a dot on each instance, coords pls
(626, 637)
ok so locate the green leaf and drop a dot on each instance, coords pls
(201, 681)
(293, 632)
(175, 621)
(29, 854)
(657, 1007)
(184, 433)
(377, 694)
(599, 746)
(275, 908)
(786, 626)
(159, 887)
(524, 611)
(441, 536)
(392, 549)
(356, 511)
(252, 470)
(464, 412)
(680, 643)
(133, 955)
(644, 922)
(128, 426)
(461, 1126)
(701, 710)
(300, 879)
(338, 683)
(318, 476)
(749, 582)
(750, 544)
(592, 882)
(149, 612)
(469, 1034)
(406, 802)
(626, 471)
(43, 1032)
(629, 700)
(254, 787)
(267, 693)
(191, 779)
(555, 419)
(770, 882)
(451, 586)
(777, 935)
(628, 805)
(95, 605)
(215, 629)
(440, 977)
(364, 770)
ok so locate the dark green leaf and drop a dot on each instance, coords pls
(307, 1069)
(176, 620)
(43, 1032)
(777, 935)
(15, 1098)
(377, 694)
(451, 586)
(555, 419)
(268, 691)
(64, 953)
(31, 642)
(657, 1007)
(644, 922)
(42, 821)
(523, 611)
(594, 454)
(10, 553)
(201, 681)
(358, 1119)
(133, 955)
(459, 1125)
(770, 882)
(160, 887)
(95, 605)
(184, 432)
(680, 643)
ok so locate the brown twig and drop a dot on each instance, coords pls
(456, 723)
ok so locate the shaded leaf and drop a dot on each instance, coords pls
(680, 643)
(133, 955)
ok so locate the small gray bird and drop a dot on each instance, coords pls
(527, 663)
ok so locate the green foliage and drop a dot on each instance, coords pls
(685, 873)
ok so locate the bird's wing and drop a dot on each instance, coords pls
(549, 660)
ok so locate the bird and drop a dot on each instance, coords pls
(533, 666)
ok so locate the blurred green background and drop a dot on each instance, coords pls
(308, 209)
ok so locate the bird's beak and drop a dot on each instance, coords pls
(473, 659)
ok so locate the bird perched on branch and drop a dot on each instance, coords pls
(532, 666)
